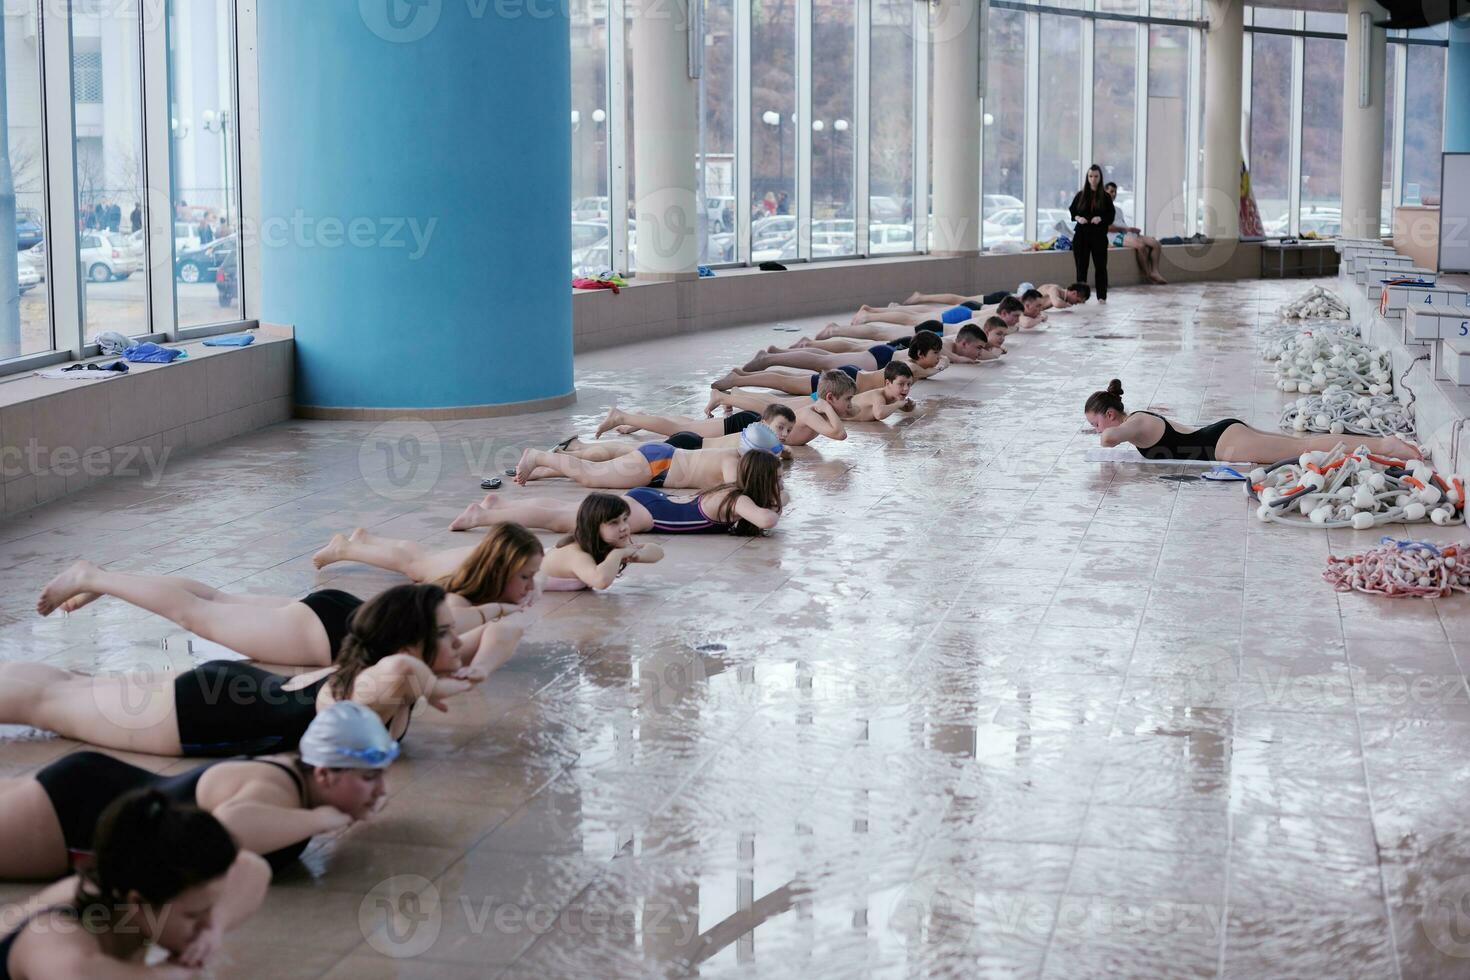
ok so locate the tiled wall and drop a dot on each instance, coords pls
(647, 311)
(59, 436)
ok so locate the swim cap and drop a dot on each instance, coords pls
(1025, 287)
(347, 735)
(759, 436)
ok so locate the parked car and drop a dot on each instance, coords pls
(27, 276)
(585, 233)
(890, 239)
(994, 202)
(103, 259)
(885, 210)
(844, 225)
(721, 248)
(28, 232)
(199, 265)
(770, 227)
(186, 237)
(592, 209)
(831, 244)
(596, 259)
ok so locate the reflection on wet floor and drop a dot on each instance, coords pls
(979, 708)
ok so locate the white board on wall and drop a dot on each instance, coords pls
(1454, 213)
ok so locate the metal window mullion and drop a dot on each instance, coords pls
(920, 189)
(617, 135)
(158, 169)
(1294, 155)
(1085, 80)
(247, 155)
(862, 104)
(63, 274)
(804, 25)
(1033, 123)
(1193, 95)
(1247, 68)
(1400, 106)
(743, 134)
(1140, 213)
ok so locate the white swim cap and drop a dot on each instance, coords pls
(347, 735)
(760, 436)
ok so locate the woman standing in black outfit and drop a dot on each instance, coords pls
(1093, 211)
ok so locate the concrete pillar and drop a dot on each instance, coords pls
(1457, 83)
(1362, 125)
(666, 143)
(1224, 42)
(956, 130)
(415, 189)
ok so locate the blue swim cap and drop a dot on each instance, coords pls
(347, 735)
(759, 436)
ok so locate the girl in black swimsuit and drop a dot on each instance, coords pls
(1228, 440)
(272, 807)
(401, 646)
(273, 629)
(165, 875)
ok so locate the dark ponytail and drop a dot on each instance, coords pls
(1102, 401)
(147, 844)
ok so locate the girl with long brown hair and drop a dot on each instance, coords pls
(493, 581)
(1094, 213)
(749, 506)
(400, 646)
(595, 552)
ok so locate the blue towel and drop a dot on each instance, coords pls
(151, 353)
(956, 314)
(231, 340)
(705, 272)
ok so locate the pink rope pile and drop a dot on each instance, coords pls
(1402, 568)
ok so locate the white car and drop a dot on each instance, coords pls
(186, 237)
(102, 258)
(591, 209)
(27, 275)
(890, 239)
(994, 202)
(585, 233)
(772, 226)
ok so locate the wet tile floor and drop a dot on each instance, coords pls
(978, 708)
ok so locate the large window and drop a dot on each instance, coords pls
(110, 170)
(1295, 100)
(833, 44)
(1270, 129)
(1321, 180)
(591, 119)
(206, 146)
(1004, 134)
(1167, 199)
(1423, 121)
(891, 128)
(1114, 109)
(119, 181)
(717, 134)
(25, 319)
(773, 163)
(1059, 143)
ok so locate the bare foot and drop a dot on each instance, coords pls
(773, 349)
(716, 399)
(913, 298)
(359, 534)
(1159, 280)
(827, 332)
(801, 342)
(70, 584)
(613, 421)
(729, 381)
(526, 466)
(78, 601)
(626, 430)
(475, 515)
(756, 363)
(332, 552)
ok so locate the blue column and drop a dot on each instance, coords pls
(416, 173)
(1457, 88)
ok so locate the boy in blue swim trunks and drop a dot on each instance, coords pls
(968, 346)
(820, 415)
(651, 464)
(870, 406)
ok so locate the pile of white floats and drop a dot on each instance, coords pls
(1315, 304)
(1357, 490)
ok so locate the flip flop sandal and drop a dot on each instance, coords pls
(561, 447)
(1224, 474)
(494, 483)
